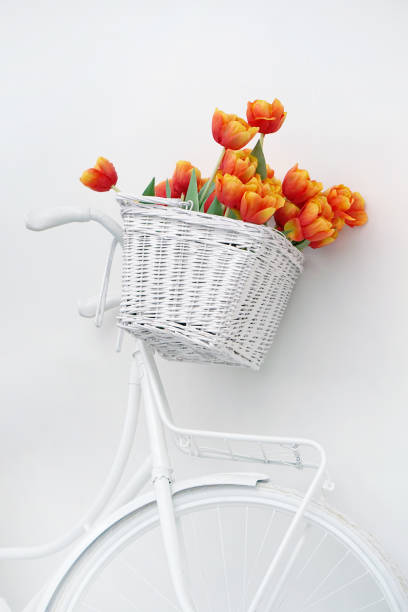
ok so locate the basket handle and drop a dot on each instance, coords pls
(142, 199)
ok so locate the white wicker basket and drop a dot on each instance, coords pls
(199, 287)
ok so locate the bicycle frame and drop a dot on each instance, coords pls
(157, 416)
(145, 381)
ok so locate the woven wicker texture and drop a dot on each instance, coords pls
(204, 288)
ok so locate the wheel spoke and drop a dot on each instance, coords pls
(230, 532)
(322, 582)
(128, 601)
(341, 588)
(260, 549)
(224, 563)
(244, 571)
(303, 568)
(199, 557)
(311, 557)
(370, 605)
(152, 586)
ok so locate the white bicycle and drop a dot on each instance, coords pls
(229, 542)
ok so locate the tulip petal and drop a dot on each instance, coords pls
(263, 216)
(293, 230)
(107, 168)
(309, 212)
(96, 180)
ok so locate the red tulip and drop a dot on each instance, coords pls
(102, 177)
(182, 175)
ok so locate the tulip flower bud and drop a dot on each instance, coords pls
(298, 187)
(312, 222)
(356, 214)
(347, 205)
(257, 209)
(229, 190)
(239, 163)
(231, 131)
(182, 175)
(102, 177)
(267, 117)
(286, 213)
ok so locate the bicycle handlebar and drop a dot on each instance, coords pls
(87, 307)
(39, 220)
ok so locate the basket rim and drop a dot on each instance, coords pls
(129, 206)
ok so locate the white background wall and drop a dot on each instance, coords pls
(138, 82)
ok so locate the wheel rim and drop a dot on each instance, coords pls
(230, 533)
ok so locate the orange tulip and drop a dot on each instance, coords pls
(298, 187)
(356, 215)
(182, 175)
(293, 230)
(257, 209)
(102, 177)
(319, 229)
(229, 190)
(267, 117)
(231, 131)
(286, 213)
(239, 163)
(348, 206)
(321, 243)
(270, 185)
(339, 197)
(311, 223)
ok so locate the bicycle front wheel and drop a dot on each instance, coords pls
(230, 533)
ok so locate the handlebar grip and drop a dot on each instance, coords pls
(38, 220)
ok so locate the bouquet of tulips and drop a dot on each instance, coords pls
(243, 186)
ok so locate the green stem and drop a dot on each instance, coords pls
(210, 180)
(115, 188)
(301, 245)
(261, 139)
(226, 211)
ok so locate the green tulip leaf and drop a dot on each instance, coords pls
(192, 191)
(216, 208)
(258, 153)
(232, 214)
(168, 189)
(149, 191)
(205, 192)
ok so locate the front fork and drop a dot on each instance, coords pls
(143, 373)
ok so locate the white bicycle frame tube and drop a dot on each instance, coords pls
(144, 377)
(161, 405)
(109, 487)
(162, 481)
